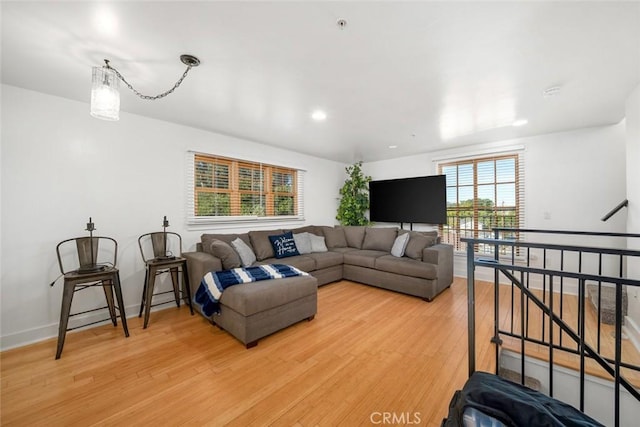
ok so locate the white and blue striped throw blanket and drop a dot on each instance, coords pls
(215, 282)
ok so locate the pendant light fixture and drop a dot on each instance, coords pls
(105, 94)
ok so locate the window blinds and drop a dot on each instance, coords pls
(222, 188)
(483, 193)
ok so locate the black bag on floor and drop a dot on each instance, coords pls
(511, 404)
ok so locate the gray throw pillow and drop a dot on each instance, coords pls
(399, 245)
(417, 242)
(303, 242)
(317, 243)
(229, 257)
(379, 239)
(247, 257)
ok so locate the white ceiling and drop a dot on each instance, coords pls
(420, 75)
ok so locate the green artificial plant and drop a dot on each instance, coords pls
(354, 200)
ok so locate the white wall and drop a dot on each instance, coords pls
(633, 195)
(571, 179)
(60, 166)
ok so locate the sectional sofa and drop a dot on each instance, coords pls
(410, 262)
(356, 253)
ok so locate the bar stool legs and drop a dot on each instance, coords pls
(67, 297)
(150, 281)
(109, 286)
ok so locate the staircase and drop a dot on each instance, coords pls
(569, 347)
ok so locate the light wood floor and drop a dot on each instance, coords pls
(368, 351)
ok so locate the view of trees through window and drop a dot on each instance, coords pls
(229, 187)
(481, 194)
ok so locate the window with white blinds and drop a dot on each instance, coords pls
(482, 193)
(222, 188)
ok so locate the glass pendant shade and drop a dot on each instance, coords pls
(105, 96)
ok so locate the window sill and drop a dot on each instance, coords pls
(212, 223)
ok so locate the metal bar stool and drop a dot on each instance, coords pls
(163, 261)
(89, 274)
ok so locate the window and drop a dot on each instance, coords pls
(224, 188)
(482, 193)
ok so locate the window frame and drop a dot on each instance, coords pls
(262, 175)
(456, 231)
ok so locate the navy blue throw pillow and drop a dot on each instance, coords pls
(284, 245)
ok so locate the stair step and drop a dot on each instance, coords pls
(515, 377)
(607, 302)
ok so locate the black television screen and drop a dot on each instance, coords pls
(413, 200)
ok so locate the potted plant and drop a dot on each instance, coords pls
(354, 200)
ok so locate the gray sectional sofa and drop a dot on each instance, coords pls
(359, 254)
(356, 253)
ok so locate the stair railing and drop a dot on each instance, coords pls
(519, 267)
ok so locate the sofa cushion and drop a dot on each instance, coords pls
(406, 267)
(417, 242)
(317, 243)
(327, 259)
(284, 245)
(313, 229)
(303, 242)
(354, 235)
(261, 244)
(344, 250)
(247, 257)
(301, 262)
(400, 244)
(363, 258)
(379, 239)
(334, 237)
(206, 239)
(264, 295)
(229, 257)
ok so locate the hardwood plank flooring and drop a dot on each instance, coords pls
(368, 351)
(536, 324)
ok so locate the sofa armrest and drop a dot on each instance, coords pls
(199, 264)
(442, 256)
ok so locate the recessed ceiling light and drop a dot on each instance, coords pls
(319, 115)
(393, 146)
(520, 122)
(551, 91)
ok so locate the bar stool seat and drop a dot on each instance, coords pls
(89, 274)
(161, 264)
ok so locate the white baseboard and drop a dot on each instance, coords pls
(31, 336)
(486, 274)
(631, 329)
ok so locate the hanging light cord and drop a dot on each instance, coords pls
(162, 95)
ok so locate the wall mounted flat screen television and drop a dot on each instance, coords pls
(421, 200)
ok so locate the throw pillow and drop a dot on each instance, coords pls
(334, 237)
(247, 257)
(400, 244)
(229, 257)
(261, 243)
(417, 242)
(379, 239)
(317, 243)
(303, 242)
(284, 245)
